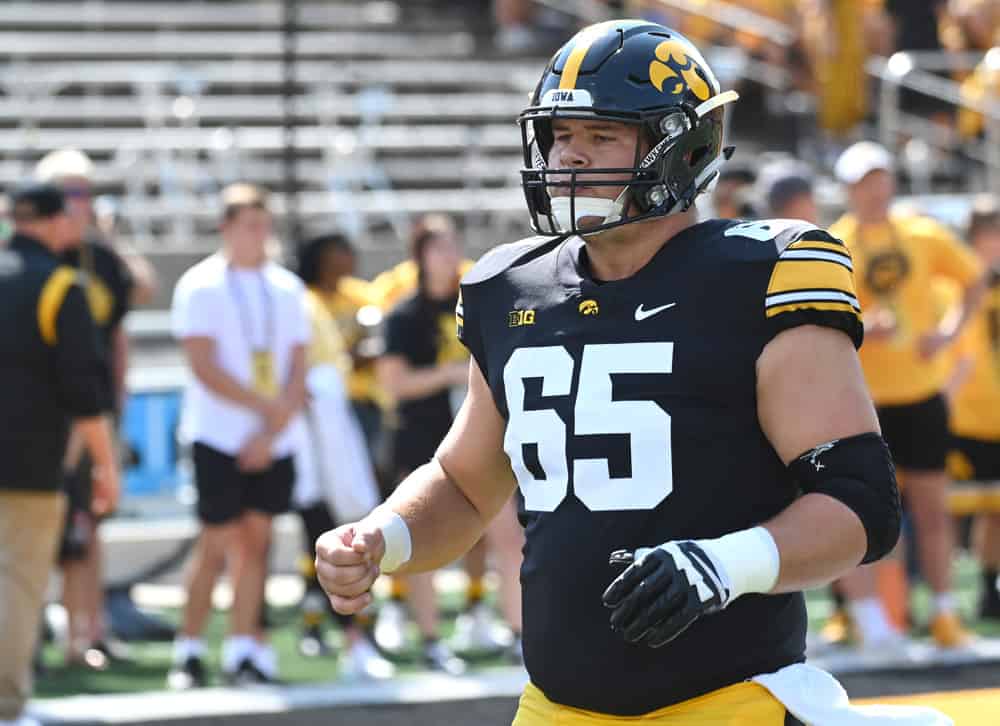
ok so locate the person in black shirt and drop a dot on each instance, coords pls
(422, 363)
(110, 288)
(51, 365)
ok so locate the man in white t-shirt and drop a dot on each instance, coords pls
(243, 325)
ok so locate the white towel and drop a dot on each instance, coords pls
(816, 698)
(332, 460)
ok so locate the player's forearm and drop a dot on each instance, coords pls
(819, 539)
(444, 524)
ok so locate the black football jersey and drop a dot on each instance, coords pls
(631, 420)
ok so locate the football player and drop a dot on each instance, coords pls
(680, 403)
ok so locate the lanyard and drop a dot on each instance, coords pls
(246, 321)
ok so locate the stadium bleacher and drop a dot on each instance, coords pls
(173, 100)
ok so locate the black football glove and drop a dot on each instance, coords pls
(664, 591)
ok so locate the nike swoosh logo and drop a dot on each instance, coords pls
(641, 314)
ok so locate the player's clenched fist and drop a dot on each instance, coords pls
(349, 558)
(347, 563)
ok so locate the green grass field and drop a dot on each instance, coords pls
(152, 660)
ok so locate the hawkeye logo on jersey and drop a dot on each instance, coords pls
(589, 307)
(517, 318)
(567, 97)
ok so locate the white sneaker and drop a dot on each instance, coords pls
(390, 627)
(362, 661)
(478, 629)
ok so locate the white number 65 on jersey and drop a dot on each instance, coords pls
(646, 424)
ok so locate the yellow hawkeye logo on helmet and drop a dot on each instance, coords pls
(682, 68)
(589, 307)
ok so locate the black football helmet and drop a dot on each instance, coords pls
(633, 72)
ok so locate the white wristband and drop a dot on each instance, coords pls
(398, 545)
(749, 560)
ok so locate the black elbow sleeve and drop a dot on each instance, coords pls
(857, 471)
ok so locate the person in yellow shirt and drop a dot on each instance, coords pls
(975, 400)
(397, 283)
(349, 301)
(896, 258)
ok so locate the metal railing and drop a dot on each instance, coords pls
(913, 71)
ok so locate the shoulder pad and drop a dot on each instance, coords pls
(783, 232)
(502, 258)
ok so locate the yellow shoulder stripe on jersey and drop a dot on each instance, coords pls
(810, 244)
(51, 299)
(809, 273)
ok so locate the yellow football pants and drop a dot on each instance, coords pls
(742, 704)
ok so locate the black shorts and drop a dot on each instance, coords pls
(917, 433)
(225, 492)
(974, 460)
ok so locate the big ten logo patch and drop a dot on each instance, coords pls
(517, 318)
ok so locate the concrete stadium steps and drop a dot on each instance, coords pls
(266, 74)
(415, 139)
(248, 109)
(174, 99)
(116, 14)
(184, 45)
(405, 172)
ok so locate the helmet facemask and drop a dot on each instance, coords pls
(671, 166)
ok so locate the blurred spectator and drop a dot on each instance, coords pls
(243, 325)
(333, 471)
(982, 86)
(834, 40)
(52, 373)
(423, 361)
(528, 27)
(786, 191)
(111, 290)
(975, 401)
(732, 197)
(896, 258)
(353, 305)
(917, 27)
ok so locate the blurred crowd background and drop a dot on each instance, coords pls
(376, 140)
